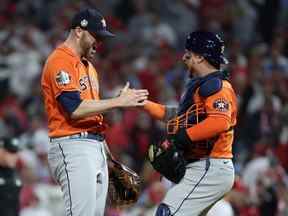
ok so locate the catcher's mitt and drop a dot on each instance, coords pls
(124, 184)
(168, 161)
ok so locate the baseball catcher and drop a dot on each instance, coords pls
(197, 152)
(124, 184)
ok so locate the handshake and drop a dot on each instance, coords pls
(132, 97)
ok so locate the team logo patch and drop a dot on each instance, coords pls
(221, 105)
(63, 78)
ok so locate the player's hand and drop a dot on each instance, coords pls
(132, 97)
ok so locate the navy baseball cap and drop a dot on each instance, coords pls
(207, 44)
(92, 21)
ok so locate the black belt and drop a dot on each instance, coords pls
(192, 160)
(84, 135)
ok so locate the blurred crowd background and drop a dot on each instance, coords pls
(147, 52)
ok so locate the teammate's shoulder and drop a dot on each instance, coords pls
(210, 87)
(59, 55)
(58, 59)
(227, 84)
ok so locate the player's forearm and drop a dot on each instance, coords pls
(159, 111)
(208, 128)
(92, 107)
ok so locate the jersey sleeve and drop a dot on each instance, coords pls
(156, 110)
(220, 104)
(63, 77)
(208, 128)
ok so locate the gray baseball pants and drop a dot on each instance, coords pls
(205, 182)
(79, 166)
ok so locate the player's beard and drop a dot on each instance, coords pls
(85, 46)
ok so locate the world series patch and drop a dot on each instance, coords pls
(221, 105)
(63, 78)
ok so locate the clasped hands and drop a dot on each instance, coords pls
(132, 97)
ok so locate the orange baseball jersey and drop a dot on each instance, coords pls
(221, 117)
(64, 71)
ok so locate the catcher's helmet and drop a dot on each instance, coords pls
(207, 44)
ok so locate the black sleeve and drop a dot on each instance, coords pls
(69, 100)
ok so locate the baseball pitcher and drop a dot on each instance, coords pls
(77, 154)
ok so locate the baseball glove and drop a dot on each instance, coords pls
(124, 184)
(168, 160)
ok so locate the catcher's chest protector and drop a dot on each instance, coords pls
(171, 162)
(187, 100)
(192, 112)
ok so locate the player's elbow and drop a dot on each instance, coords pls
(76, 115)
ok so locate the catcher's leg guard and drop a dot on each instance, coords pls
(163, 210)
